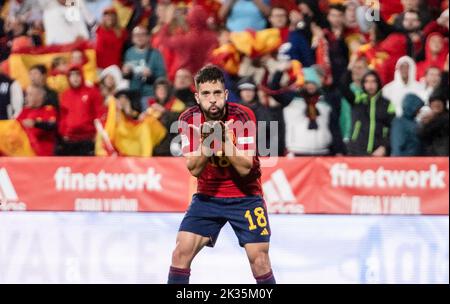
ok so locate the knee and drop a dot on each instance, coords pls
(182, 257)
(260, 263)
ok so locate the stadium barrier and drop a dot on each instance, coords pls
(410, 186)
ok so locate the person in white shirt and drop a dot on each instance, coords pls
(65, 20)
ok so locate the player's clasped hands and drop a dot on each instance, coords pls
(213, 136)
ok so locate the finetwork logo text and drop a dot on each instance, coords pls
(66, 180)
(343, 176)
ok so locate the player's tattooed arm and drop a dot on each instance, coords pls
(242, 161)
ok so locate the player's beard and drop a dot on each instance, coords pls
(213, 112)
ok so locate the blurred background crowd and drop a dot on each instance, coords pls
(110, 77)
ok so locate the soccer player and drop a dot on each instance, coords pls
(228, 172)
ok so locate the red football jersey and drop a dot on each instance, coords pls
(219, 178)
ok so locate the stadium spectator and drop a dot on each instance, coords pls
(185, 45)
(308, 117)
(171, 21)
(111, 81)
(413, 5)
(144, 14)
(166, 108)
(357, 69)
(143, 65)
(25, 10)
(241, 15)
(438, 26)
(265, 112)
(65, 23)
(372, 115)
(334, 98)
(278, 17)
(430, 82)
(183, 85)
(110, 40)
(436, 52)
(404, 82)
(38, 77)
(335, 35)
(297, 46)
(11, 97)
(57, 78)
(435, 129)
(312, 12)
(80, 105)
(38, 119)
(404, 131)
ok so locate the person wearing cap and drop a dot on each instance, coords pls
(434, 131)
(248, 93)
(110, 40)
(80, 105)
(309, 118)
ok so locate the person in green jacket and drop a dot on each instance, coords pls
(372, 115)
(356, 71)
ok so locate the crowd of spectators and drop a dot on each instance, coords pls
(339, 77)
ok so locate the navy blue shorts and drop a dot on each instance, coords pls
(247, 216)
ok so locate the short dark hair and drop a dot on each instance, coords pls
(209, 73)
(377, 78)
(40, 67)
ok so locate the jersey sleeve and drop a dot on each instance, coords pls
(246, 131)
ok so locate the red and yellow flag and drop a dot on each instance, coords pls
(22, 60)
(258, 43)
(129, 138)
(13, 139)
(227, 57)
(124, 11)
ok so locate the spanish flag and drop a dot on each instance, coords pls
(22, 60)
(374, 57)
(129, 137)
(255, 44)
(227, 57)
(124, 11)
(13, 139)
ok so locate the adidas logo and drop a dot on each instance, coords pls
(8, 195)
(265, 232)
(279, 196)
(278, 188)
